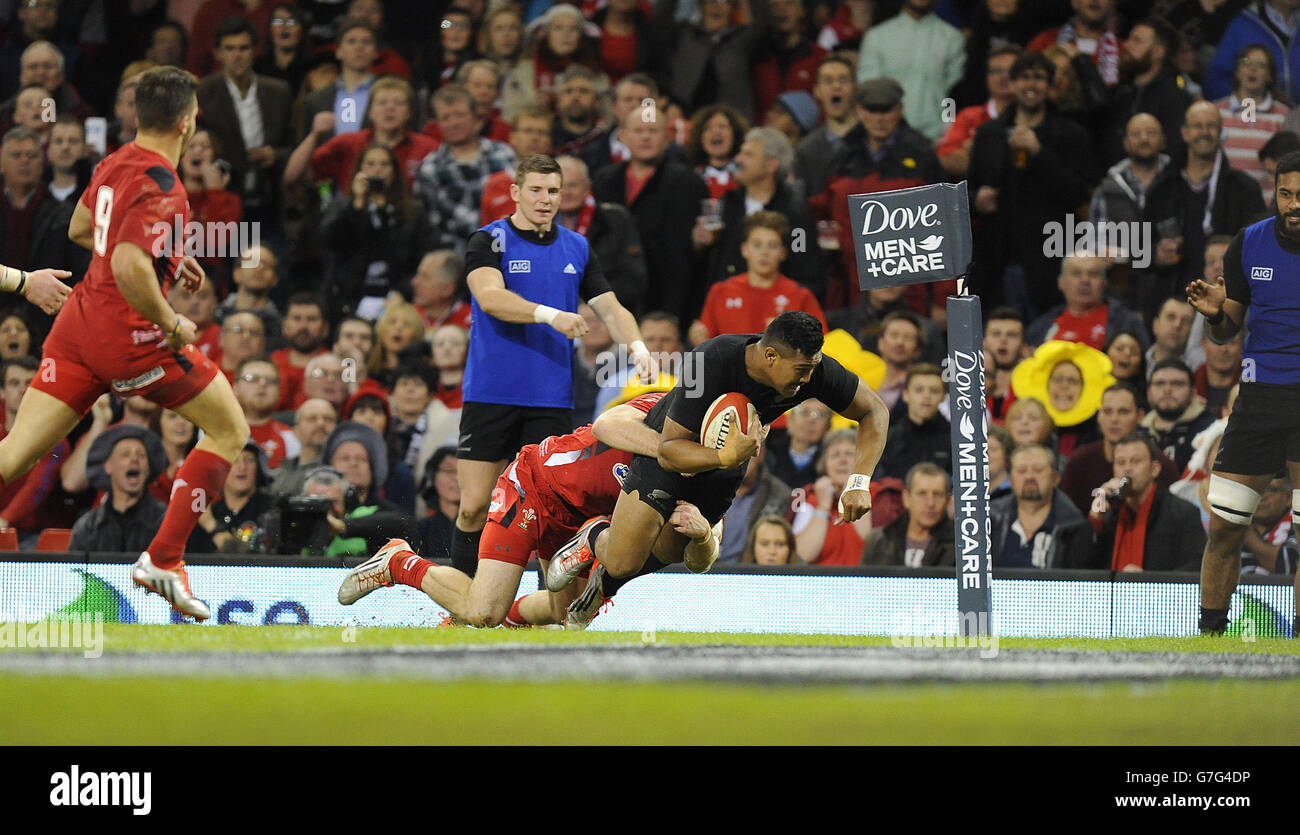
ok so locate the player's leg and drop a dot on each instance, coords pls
(1233, 498)
(42, 421)
(201, 477)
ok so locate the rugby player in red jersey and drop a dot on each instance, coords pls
(541, 500)
(117, 331)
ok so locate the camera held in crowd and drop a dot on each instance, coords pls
(299, 525)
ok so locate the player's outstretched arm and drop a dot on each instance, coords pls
(623, 327)
(1223, 314)
(623, 427)
(40, 287)
(133, 270)
(873, 427)
(489, 289)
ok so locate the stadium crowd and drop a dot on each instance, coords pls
(708, 147)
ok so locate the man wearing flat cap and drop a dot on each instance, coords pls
(122, 462)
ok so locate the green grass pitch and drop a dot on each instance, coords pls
(42, 710)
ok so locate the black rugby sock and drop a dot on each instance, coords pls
(610, 585)
(464, 550)
(1213, 621)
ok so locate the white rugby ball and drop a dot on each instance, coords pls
(731, 414)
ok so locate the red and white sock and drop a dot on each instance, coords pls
(198, 484)
(408, 568)
(515, 618)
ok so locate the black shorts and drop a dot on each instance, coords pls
(1263, 431)
(710, 491)
(496, 432)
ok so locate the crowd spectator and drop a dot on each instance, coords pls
(746, 303)
(1121, 195)
(399, 327)
(1028, 168)
(288, 48)
(345, 101)
(955, 148)
(1148, 528)
(1273, 23)
(578, 120)
(1120, 415)
(610, 232)
(1029, 422)
(1192, 199)
(1004, 348)
(770, 542)
(1037, 526)
(376, 232)
(206, 177)
(323, 378)
(1270, 546)
(68, 170)
(716, 134)
(450, 352)
(440, 497)
(243, 337)
(1177, 414)
(501, 37)
(1251, 115)
(899, 346)
(362, 519)
(256, 276)
(257, 388)
(248, 115)
(1220, 373)
(1090, 32)
(630, 94)
(1089, 315)
(791, 57)
(1171, 330)
(178, 438)
(1151, 85)
(435, 290)
(451, 179)
(709, 59)
(922, 536)
(994, 25)
(833, 90)
(663, 197)
(313, 423)
(305, 331)
(791, 456)
(30, 503)
(122, 462)
(925, 53)
(1000, 447)
(760, 494)
(208, 19)
(1127, 358)
(818, 537)
(559, 41)
(421, 422)
(762, 168)
(921, 433)
(530, 133)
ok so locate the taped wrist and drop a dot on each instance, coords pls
(13, 281)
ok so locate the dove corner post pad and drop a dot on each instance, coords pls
(970, 457)
(917, 235)
(911, 235)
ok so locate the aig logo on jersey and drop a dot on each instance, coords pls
(1261, 273)
(520, 267)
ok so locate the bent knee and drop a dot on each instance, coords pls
(471, 518)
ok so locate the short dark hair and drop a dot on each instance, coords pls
(906, 316)
(347, 24)
(1006, 312)
(1125, 385)
(1166, 35)
(171, 24)
(239, 370)
(234, 25)
(928, 468)
(305, 297)
(163, 95)
(1051, 456)
(923, 369)
(641, 79)
(663, 316)
(794, 331)
(537, 164)
(1144, 439)
(772, 221)
(1279, 145)
(836, 58)
(1287, 163)
(1033, 61)
(24, 361)
(1004, 49)
(419, 371)
(1173, 362)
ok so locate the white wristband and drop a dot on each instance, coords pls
(638, 348)
(544, 315)
(857, 481)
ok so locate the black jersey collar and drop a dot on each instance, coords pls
(533, 237)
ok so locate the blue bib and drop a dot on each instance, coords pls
(1272, 347)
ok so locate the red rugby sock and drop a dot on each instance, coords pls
(515, 619)
(408, 569)
(198, 484)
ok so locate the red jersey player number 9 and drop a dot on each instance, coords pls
(103, 214)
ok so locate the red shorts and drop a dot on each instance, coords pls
(525, 520)
(81, 360)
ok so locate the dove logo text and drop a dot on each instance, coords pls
(878, 218)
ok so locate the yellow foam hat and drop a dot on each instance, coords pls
(1029, 379)
(842, 347)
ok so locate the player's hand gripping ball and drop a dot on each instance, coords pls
(731, 426)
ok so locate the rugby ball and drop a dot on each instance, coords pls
(731, 414)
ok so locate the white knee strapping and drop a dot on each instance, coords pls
(1295, 507)
(1234, 502)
